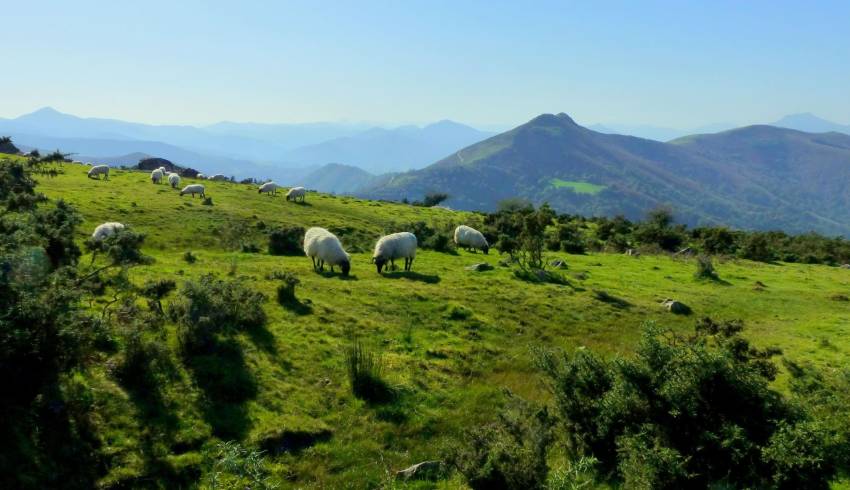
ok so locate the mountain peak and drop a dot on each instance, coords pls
(45, 113)
(560, 119)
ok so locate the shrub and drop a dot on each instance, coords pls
(286, 241)
(155, 291)
(432, 199)
(207, 201)
(705, 269)
(509, 453)
(286, 290)
(757, 246)
(189, 257)
(365, 373)
(233, 466)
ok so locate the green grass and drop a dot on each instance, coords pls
(578, 187)
(450, 339)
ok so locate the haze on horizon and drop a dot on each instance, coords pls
(656, 63)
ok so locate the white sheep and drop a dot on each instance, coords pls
(395, 246)
(193, 189)
(323, 246)
(174, 180)
(268, 188)
(98, 170)
(106, 229)
(163, 170)
(156, 176)
(200, 176)
(471, 239)
(295, 193)
(217, 177)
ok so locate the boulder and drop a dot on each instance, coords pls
(426, 470)
(632, 252)
(558, 264)
(154, 163)
(845, 266)
(675, 307)
(480, 267)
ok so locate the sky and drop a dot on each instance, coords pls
(674, 64)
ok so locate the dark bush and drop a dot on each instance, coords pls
(705, 269)
(286, 241)
(189, 257)
(286, 290)
(365, 373)
(207, 201)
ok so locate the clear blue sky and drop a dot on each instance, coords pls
(679, 64)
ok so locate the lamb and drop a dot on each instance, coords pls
(295, 193)
(194, 189)
(217, 177)
(395, 246)
(98, 170)
(471, 239)
(268, 188)
(174, 180)
(156, 176)
(323, 246)
(105, 230)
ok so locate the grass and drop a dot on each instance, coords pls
(450, 340)
(577, 187)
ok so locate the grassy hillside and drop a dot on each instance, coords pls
(452, 339)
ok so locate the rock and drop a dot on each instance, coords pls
(558, 264)
(480, 267)
(632, 253)
(675, 307)
(426, 470)
(292, 440)
(154, 163)
(845, 266)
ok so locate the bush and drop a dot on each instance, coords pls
(432, 199)
(365, 374)
(286, 290)
(189, 257)
(510, 453)
(207, 201)
(705, 269)
(286, 241)
(232, 466)
(210, 306)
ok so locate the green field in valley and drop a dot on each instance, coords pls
(578, 187)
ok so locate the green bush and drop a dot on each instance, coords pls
(286, 241)
(365, 373)
(705, 269)
(189, 257)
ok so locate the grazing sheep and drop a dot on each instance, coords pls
(98, 170)
(163, 170)
(156, 176)
(193, 189)
(217, 177)
(200, 176)
(174, 180)
(323, 246)
(268, 188)
(471, 239)
(105, 230)
(395, 246)
(295, 193)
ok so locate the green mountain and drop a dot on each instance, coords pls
(738, 178)
(337, 178)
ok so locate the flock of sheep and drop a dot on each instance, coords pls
(322, 246)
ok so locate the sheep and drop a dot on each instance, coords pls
(295, 193)
(200, 176)
(268, 188)
(98, 170)
(105, 230)
(156, 176)
(174, 180)
(395, 246)
(323, 246)
(471, 239)
(194, 189)
(217, 177)
(163, 170)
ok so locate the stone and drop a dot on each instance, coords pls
(426, 470)
(675, 307)
(480, 267)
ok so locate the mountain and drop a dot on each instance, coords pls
(127, 160)
(336, 178)
(288, 136)
(656, 133)
(707, 179)
(811, 124)
(382, 150)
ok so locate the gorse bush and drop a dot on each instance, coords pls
(286, 241)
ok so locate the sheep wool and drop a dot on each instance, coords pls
(470, 238)
(193, 189)
(323, 247)
(200, 176)
(156, 176)
(174, 180)
(98, 170)
(295, 193)
(395, 246)
(217, 177)
(106, 229)
(268, 188)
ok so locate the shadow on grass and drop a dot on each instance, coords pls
(614, 301)
(263, 339)
(714, 280)
(222, 374)
(413, 276)
(301, 203)
(297, 306)
(328, 274)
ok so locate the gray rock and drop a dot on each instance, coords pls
(558, 264)
(845, 266)
(426, 470)
(480, 267)
(676, 307)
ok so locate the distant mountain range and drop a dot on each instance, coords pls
(337, 179)
(760, 177)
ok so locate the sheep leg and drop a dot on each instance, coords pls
(314, 262)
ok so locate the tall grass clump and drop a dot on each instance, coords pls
(365, 373)
(705, 269)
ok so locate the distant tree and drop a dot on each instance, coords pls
(515, 205)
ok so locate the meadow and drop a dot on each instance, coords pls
(452, 339)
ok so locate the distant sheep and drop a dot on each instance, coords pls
(217, 177)
(98, 170)
(471, 239)
(268, 188)
(395, 246)
(200, 176)
(163, 170)
(106, 229)
(156, 176)
(193, 189)
(174, 180)
(323, 246)
(295, 193)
